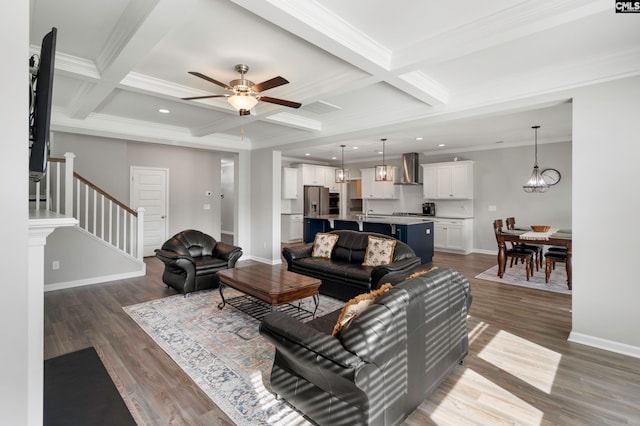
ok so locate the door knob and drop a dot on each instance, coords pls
(162, 217)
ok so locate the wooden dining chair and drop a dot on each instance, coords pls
(526, 255)
(551, 258)
(511, 224)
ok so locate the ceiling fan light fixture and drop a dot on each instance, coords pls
(242, 102)
(536, 182)
(383, 172)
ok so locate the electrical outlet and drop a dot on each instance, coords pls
(492, 208)
(207, 207)
(55, 264)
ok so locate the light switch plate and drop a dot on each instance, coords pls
(492, 208)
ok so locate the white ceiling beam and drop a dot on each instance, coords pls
(141, 26)
(319, 26)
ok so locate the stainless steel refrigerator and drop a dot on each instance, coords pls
(316, 200)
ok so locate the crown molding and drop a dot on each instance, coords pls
(295, 121)
(128, 129)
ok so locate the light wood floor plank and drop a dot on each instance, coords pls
(520, 370)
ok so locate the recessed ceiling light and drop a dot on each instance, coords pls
(333, 158)
(418, 138)
(355, 147)
(164, 111)
(380, 152)
(307, 154)
(440, 144)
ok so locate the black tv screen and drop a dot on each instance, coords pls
(40, 114)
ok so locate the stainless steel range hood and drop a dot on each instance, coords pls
(410, 169)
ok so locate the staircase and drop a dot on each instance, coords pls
(108, 241)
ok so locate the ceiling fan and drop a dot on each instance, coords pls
(244, 91)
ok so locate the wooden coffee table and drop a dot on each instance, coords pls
(273, 285)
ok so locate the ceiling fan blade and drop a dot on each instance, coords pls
(279, 102)
(269, 84)
(204, 97)
(197, 74)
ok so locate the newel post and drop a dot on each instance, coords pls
(140, 236)
(68, 183)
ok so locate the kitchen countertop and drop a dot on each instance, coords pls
(375, 218)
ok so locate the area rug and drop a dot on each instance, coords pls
(517, 276)
(222, 351)
(78, 391)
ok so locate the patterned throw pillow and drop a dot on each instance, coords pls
(323, 245)
(356, 306)
(379, 251)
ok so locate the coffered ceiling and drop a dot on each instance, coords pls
(464, 75)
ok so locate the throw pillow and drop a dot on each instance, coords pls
(356, 306)
(379, 251)
(421, 273)
(323, 245)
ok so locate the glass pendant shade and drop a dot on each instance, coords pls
(242, 102)
(383, 172)
(536, 182)
(342, 175)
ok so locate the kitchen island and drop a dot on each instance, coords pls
(416, 231)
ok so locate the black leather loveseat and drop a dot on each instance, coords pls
(192, 259)
(343, 276)
(384, 364)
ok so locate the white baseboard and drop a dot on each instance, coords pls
(607, 345)
(265, 260)
(483, 251)
(95, 280)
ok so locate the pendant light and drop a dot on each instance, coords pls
(342, 175)
(535, 183)
(383, 172)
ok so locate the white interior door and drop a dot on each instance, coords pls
(149, 189)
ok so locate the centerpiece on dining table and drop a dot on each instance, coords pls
(540, 228)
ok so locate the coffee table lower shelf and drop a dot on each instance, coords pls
(258, 309)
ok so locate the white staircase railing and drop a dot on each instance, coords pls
(97, 212)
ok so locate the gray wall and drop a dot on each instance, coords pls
(228, 201)
(106, 162)
(15, 310)
(605, 210)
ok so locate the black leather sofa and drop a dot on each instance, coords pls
(343, 276)
(385, 364)
(192, 259)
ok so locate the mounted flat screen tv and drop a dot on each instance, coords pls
(40, 94)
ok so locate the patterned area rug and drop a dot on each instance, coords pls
(517, 276)
(222, 351)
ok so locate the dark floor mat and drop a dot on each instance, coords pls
(79, 391)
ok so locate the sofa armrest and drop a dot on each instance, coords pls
(378, 273)
(297, 252)
(292, 336)
(228, 252)
(171, 257)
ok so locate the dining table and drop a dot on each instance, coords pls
(553, 237)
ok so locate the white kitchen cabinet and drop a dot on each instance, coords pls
(453, 235)
(451, 181)
(330, 179)
(291, 226)
(372, 189)
(312, 175)
(289, 183)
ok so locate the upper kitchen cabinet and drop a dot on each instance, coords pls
(289, 183)
(373, 189)
(319, 175)
(448, 181)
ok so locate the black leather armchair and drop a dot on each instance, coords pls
(192, 258)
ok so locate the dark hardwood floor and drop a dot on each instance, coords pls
(520, 369)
